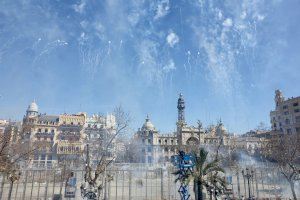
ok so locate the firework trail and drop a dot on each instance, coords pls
(48, 49)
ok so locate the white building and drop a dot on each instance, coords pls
(157, 147)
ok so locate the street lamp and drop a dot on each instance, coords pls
(249, 175)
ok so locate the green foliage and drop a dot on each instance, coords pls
(205, 173)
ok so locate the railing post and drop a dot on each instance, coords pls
(2, 185)
(238, 184)
(16, 193)
(39, 184)
(53, 191)
(245, 189)
(33, 173)
(129, 185)
(162, 183)
(146, 183)
(256, 185)
(24, 190)
(46, 185)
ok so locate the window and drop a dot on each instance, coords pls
(40, 130)
(297, 110)
(166, 141)
(149, 141)
(286, 112)
(43, 157)
(143, 141)
(297, 129)
(287, 121)
(52, 131)
(171, 141)
(166, 158)
(285, 107)
(149, 149)
(296, 104)
(49, 157)
(289, 130)
(297, 119)
(46, 130)
(159, 141)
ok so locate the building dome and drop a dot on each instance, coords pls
(33, 107)
(148, 125)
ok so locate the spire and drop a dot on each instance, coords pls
(181, 107)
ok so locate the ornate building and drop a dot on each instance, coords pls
(286, 116)
(57, 137)
(157, 147)
(70, 138)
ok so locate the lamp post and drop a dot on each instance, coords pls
(248, 174)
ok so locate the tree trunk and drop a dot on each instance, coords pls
(195, 190)
(10, 190)
(293, 189)
(199, 195)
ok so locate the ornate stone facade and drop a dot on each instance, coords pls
(58, 137)
(157, 147)
(286, 116)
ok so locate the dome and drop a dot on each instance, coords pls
(148, 125)
(33, 107)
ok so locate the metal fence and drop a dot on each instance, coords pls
(126, 185)
(138, 184)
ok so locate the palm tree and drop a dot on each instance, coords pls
(204, 174)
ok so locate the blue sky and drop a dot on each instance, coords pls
(226, 57)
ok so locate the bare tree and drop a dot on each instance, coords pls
(12, 155)
(122, 124)
(284, 150)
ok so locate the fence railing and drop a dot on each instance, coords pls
(138, 184)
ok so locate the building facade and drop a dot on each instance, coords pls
(99, 129)
(61, 139)
(286, 116)
(56, 138)
(156, 147)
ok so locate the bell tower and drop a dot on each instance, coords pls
(279, 98)
(181, 107)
